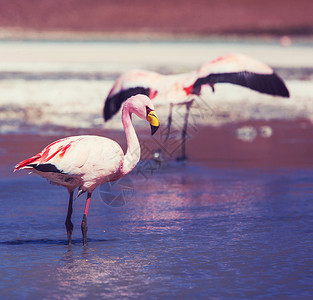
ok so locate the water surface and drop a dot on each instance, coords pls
(235, 222)
(187, 232)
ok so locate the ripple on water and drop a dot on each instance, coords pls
(189, 232)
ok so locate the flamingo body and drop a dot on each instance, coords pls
(78, 162)
(89, 161)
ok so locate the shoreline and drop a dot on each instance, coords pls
(284, 40)
(119, 55)
(273, 144)
(15, 34)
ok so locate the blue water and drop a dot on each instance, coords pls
(186, 232)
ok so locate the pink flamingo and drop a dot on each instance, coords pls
(89, 161)
(180, 89)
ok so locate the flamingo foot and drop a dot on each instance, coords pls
(183, 159)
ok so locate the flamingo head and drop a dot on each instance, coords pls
(143, 107)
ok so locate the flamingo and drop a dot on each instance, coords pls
(88, 161)
(180, 89)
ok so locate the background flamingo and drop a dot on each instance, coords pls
(89, 161)
(180, 89)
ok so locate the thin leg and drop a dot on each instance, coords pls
(68, 223)
(184, 131)
(169, 123)
(84, 221)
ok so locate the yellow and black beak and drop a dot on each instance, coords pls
(154, 121)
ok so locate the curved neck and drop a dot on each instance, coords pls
(132, 155)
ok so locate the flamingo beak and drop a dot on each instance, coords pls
(154, 121)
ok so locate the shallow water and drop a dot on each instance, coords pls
(186, 232)
(237, 225)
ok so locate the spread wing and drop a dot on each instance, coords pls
(128, 84)
(114, 102)
(240, 70)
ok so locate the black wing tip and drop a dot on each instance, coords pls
(111, 107)
(114, 102)
(270, 84)
(106, 114)
(282, 89)
(46, 168)
(285, 94)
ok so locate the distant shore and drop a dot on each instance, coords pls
(17, 34)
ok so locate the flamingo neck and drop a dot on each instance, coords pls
(132, 155)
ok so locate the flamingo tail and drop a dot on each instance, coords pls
(26, 163)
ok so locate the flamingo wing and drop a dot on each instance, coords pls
(128, 84)
(114, 102)
(237, 69)
(240, 70)
(50, 158)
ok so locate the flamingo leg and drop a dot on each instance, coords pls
(169, 123)
(68, 223)
(157, 153)
(184, 131)
(84, 221)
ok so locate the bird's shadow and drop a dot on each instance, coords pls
(52, 242)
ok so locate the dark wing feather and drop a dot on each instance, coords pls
(46, 168)
(113, 103)
(270, 84)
